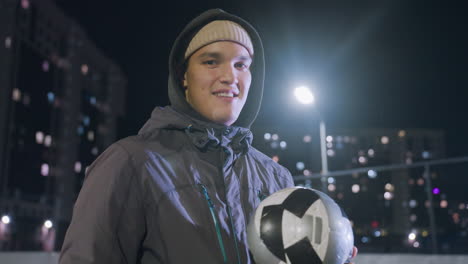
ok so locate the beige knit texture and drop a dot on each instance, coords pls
(220, 30)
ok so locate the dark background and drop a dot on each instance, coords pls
(389, 64)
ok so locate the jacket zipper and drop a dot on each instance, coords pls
(233, 229)
(215, 220)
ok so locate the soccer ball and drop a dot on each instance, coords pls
(299, 225)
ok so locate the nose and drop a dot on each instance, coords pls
(228, 75)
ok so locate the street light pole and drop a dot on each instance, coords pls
(323, 152)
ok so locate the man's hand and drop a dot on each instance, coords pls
(353, 255)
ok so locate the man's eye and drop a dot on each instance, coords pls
(210, 62)
(242, 65)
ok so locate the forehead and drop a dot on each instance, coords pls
(226, 49)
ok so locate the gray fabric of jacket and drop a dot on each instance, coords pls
(183, 189)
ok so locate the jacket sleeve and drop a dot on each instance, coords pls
(108, 220)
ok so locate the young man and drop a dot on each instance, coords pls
(183, 189)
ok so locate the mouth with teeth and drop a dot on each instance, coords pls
(226, 94)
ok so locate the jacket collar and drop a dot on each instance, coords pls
(204, 135)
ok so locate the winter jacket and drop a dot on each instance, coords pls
(183, 189)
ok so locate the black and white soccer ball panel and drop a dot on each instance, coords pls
(310, 222)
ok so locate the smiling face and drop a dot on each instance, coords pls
(217, 81)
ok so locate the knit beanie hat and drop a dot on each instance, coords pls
(220, 30)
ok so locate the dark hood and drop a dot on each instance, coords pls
(176, 62)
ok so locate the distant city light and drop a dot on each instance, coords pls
(355, 188)
(420, 181)
(86, 120)
(90, 135)
(84, 69)
(371, 153)
(461, 206)
(300, 165)
(39, 137)
(283, 144)
(329, 139)
(306, 172)
(416, 244)
(329, 145)
(275, 137)
(384, 140)
(362, 160)
(413, 218)
(304, 95)
(409, 160)
(411, 236)
(50, 97)
(6, 219)
(267, 136)
(94, 151)
(26, 99)
(16, 95)
(275, 158)
(8, 42)
(331, 180)
(45, 169)
(426, 155)
(402, 133)
(48, 224)
(389, 187)
(47, 140)
(365, 239)
(372, 174)
(413, 203)
(331, 187)
(443, 204)
(45, 66)
(92, 100)
(274, 144)
(388, 195)
(307, 138)
(330, 152)
(80, 130)
(77, 167)
(436, 191)
(25, 4)
(424, 233)
(346, 139)
(377, 233)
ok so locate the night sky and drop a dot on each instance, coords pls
(384, 64)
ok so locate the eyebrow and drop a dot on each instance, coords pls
(218, 55)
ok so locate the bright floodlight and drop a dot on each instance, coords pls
(304, 95)
(6, 219)
(48, 224)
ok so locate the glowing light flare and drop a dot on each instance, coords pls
(48, 140)
(388, 195)
(330, 152)
(16, 95)
(436, 190)
(372, 174)
(267, 136)
(306, 172)
(77, 167)
(355, 188)
(331, 180)
(48, 224)
(402, 133)
(45, 169)
(84, 69)
(307, 139)
(384, 140)
(329, 139)
(283, 144)
(8, 42)
(300, 165)
(275, 137)
(39, 137)
(411, 236)
(331, 187)
(304, 95)
(371, 153)
(6, 219)
(443, 204)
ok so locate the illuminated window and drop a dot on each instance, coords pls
(48, 140)
(372, 174)
(94, 151)
(362, 160)
(443, 204)
(90, 135)
(401, 133)
(267, 136)
(384, 140)
(25, 4)
(283, 144)
(39, 137)
(45, 66)
(389, 187)
(275, 137)
(84, 69)
(8, 42)
(388, 195)
(45, 169)
(300, 165)
(307, 139)
(355, 188)
(50, 97)
(77, 167)
(16, 95)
